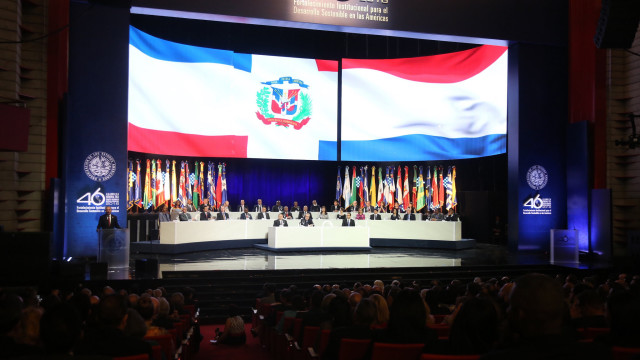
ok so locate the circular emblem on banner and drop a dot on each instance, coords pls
(537, 177)
(99, 166)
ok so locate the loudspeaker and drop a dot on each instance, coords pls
(146, 269)
(618, 24)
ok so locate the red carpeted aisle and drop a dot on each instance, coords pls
(250, 351)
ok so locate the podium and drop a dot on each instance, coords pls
(113, 249)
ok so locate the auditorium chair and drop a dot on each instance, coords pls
(132, 357)
(167, 342)
(448, 357)
(156, 350)
(439, 318)
(625, 353)
(309, 337)
(591, 333)
(385, 351)
(353, 349)
(443, 330)
(191, 309)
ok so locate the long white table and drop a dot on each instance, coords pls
(318, 237)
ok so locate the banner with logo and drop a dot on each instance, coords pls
(193, 101)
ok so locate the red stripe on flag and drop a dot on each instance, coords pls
(179, 144)
(327, 65)
(445, 68)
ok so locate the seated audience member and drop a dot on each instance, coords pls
(146, 309)
(286, 213)
(190, 207)
(475, 329)
(242, 206)
(360, 215)
(536, 324)
(314, 206)
(205, 214)
(348, 221)
(307, 221)
(623, 314)
(281, 221)
(589, 311)
(341, 214)
(452, 216)
(106, 336)
(352, 207)
(223, 214)
(163, 319)
(395, 215)
(295, 207)
(410, 215)
(277, 207)
(246, 215)
(375, 215)
(258, 207)
(177, 206)
(233, 333)
(323, 213)
(164, 215)
(263, 214)
(184, 215)
(382, 311)
(363, 317)
(136, 327)
(336, 206)
(205, 202)
(305, 210)
(437, 215)
(60, 330)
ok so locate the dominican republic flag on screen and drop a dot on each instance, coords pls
(450, 106)
(195, 101)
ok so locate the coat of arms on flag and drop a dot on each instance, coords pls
(284, 102)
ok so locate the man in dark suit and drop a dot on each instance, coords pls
(245, 215)
(452, 216)
(263, 214)
(277, 207)
(314, 206)
(190, 207)
(295, 207)
(437, 215)
(306, 221)
(108, 221)
(205, 202)
(258, 207)
(348, 221)
(410, 215)
(242, 206)
(353, 207)
(375, 215)
(184, 215)
(222, 215)
(367, 207)
(281, 221)
(336, 206)
(304, 212)
(286, 213)
(205, 214)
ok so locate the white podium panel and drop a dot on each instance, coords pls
(318, 237)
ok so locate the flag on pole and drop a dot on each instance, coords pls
(434, 189)
(385, 191)
(138, 197)
(399, 192)
(346, 192)
(211, 191)
(420, 192)
(380, 189)
(361, 183)
(132, 187)
(339, 186)
(159, 184)
(201, 181)
(224, 184)
(146, 197)
(447, 189)
(454, 190)
(365, 191)
(174, 183)
(182, 189)
(373, 195)
(441, 190)
(196, 187)
(354, 194)
(405, 196)
(219, 187)
(428, 190)
(167, 183)
(154, 192)
(392, 188)
(414, 190)
(189, 181)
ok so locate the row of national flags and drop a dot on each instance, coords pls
(432, 192)
(164, 183)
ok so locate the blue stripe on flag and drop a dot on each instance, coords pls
(327, 150)
(171, 51)
(422, 147)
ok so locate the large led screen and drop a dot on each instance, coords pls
(193, 101)
(450, 106)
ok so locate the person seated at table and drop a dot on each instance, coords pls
(304, 212)
(263, 214)
(427, 214)
(177, 207)
(314, 206)
(227, 207)
(281, 221)
(205, 214)
(375, 215)
(381, 209)
(452, 216)
(286, 213)
(323, 213)
(277, 207)
(164, 215)
(336, 206)
(205, 202)
(395, 215)
(396, 206)
(410, 215)
(360, 215)
(437, 215)
(295, 207)
(367, 207)
(184, 215)
(353, 207)
(222, 215)
(245, 215)
(306, 221)
(258, 207)
(242, 206)
(190, 207)
(348, 221)
(341, 214)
